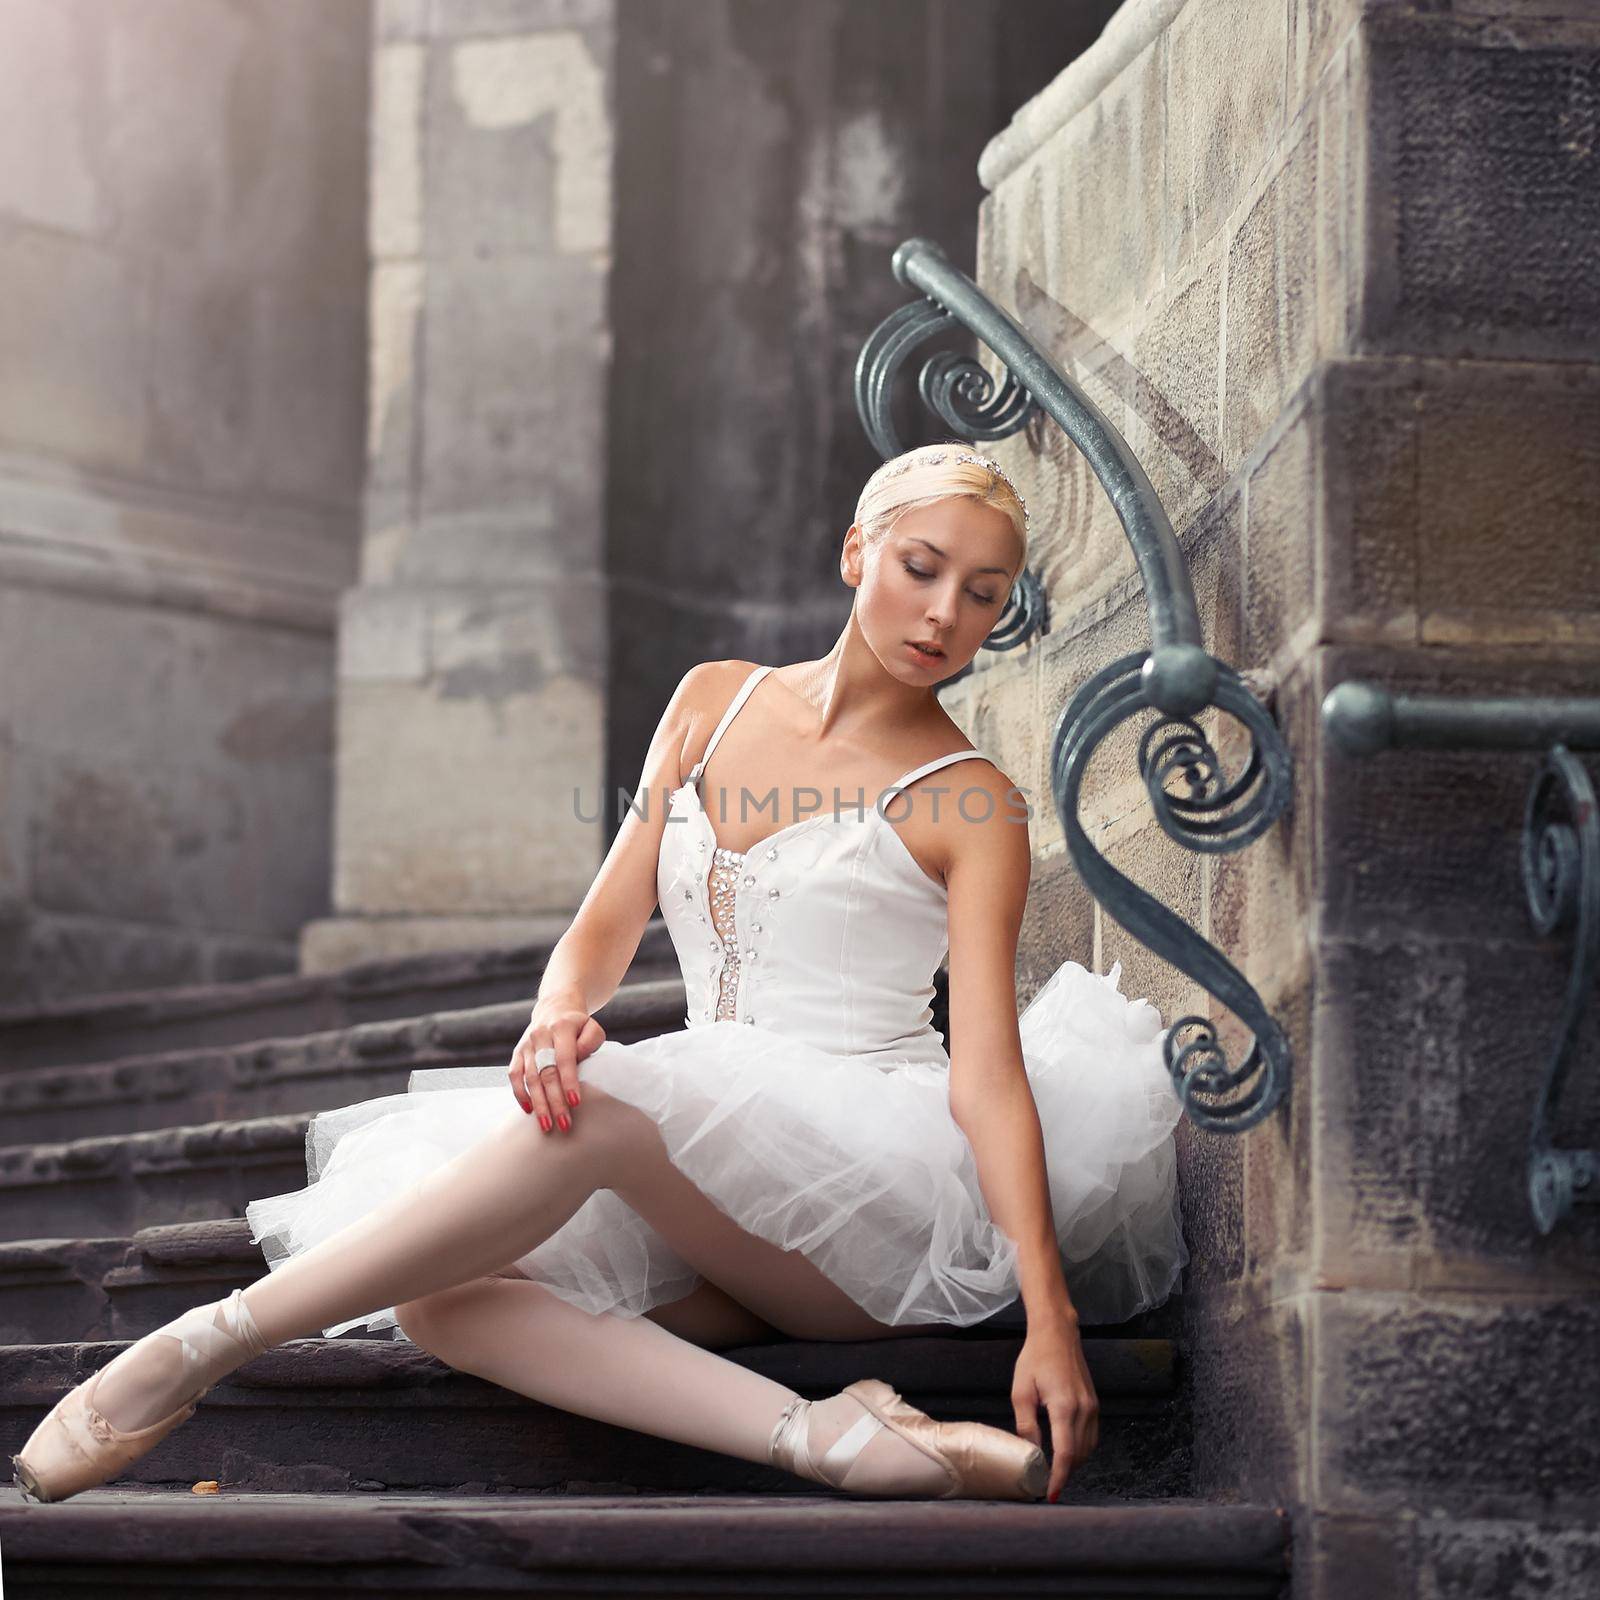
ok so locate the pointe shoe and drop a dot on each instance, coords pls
(982, 1463)
(76, 1447)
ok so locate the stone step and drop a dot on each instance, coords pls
(300, 1074)
(104, 1027)
(119, 1183)
(332, 1415)
(105, 1544)
(65, 1290)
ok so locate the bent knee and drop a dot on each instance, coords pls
(601, 1123)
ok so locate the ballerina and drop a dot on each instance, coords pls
(804, 1159)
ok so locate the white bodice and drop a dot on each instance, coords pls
(826, 930)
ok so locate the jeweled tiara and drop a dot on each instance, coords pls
(907, 462)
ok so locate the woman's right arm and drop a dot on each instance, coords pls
(590, 960)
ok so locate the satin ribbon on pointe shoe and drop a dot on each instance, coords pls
(76, 1447)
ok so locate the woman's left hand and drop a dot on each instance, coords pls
(1052, 1372)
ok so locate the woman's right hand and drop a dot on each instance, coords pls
(551, 1093)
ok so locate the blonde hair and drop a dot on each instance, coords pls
(934, 472)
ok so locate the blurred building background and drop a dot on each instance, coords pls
(394, 402)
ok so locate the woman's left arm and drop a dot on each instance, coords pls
(992, 1103)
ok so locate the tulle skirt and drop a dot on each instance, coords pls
(854, 1162)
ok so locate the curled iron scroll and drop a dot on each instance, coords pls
(1561, 873)
(1215, 816)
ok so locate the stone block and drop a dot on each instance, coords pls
(438, 795)
(394, 313)
(1222, 125)
(311, 369)
(1211, 1190)
(515, 359)
(1366, 555)
(1534, 1557)
(330, 944)
(1069, 656)
(383, 635)
(1428, 1060)
(1214, 546)
(1424, 843)
(1280, 546)
(517, 640)
(1508, 479)
(1260, 898)
(1339, 193)
(1318, 31)
(1280, 1191)
(1272, 297)
(1454, 1406)
(73, 339)
(1173, 425)
(394, 207)
(459, 18)
(519, 149)
(1250, 1379)
(1487, 187)
(1057, 925)
(1002, 719)
(178, 764)
(1094, 241)
(1336, 1556)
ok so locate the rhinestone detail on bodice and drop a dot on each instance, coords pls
(727, 875)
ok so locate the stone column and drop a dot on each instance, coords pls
(182, 308)
(471, 654)
(1332, 267)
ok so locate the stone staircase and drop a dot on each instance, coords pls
(364, 1463)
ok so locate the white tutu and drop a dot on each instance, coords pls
(855, 1163)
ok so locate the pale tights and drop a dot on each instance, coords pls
(436, 1254)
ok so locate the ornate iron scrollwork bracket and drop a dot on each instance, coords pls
(1560, 866)
(1176, 677)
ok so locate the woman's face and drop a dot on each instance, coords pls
(940, 576)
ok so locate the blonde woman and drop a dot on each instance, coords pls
(803, 1159)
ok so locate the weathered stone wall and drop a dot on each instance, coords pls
(472, 693)
(1343, 299)
(182, 298)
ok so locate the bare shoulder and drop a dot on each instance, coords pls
(986, 831)
(703, 694)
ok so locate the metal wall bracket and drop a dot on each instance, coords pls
(1176, 677)
(1560, 866)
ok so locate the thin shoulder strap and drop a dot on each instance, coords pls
(727, 717)
(933, 766)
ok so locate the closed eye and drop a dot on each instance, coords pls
(917, 572)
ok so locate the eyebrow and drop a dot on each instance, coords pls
(1005, 572)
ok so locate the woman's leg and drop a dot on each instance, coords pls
(497, 1201)
(625, 1370)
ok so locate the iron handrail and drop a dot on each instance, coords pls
(1176, 677)
(1560, 865)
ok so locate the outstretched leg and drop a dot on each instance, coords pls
(629, 1371)
(497, 1201)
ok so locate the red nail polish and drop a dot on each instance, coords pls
(1055, 1496)
(572, 1097)
(544, 1122)
(565, 1121)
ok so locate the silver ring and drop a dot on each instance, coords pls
(545, 1057)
